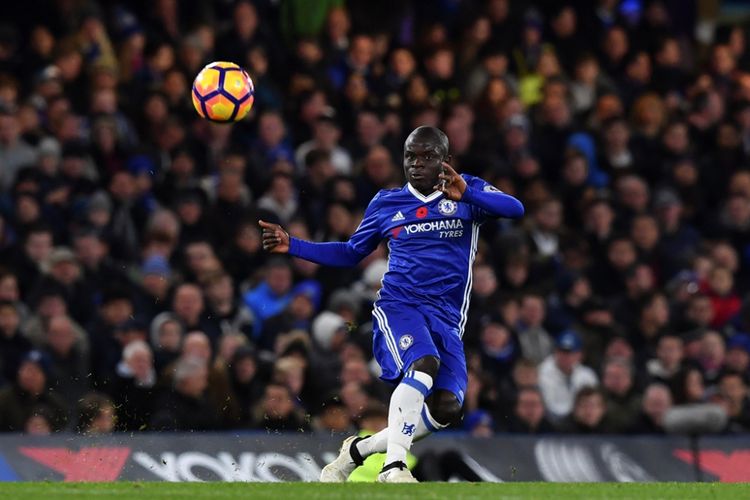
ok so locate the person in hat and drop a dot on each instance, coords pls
(561, 375)
(156, 279)
(30, 390)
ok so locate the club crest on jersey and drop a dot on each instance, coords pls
(405, 342)
(447, 207)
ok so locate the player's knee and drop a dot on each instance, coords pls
(445, 408)
(426, 364)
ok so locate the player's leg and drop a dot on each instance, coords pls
(400, 339)
(405, 414)
(428, 424)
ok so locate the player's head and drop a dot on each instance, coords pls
(425, 150)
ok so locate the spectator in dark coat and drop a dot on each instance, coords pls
(186, 406)
(70, 376)
(277, 412)
(621, 395)
(133, 389)
(589, 414)
(13, 345)
(657, 400)
(30, 391)
(528, 413)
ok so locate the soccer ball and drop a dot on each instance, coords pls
(223, 92)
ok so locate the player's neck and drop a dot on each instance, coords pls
(426, 193)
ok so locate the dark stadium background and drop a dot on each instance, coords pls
(134, 293)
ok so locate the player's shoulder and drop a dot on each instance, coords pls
(478, 183)
(385, 194)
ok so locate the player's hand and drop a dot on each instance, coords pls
(275, 239)
(450, 183)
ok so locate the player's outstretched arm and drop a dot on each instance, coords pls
(493, 202)
(334, 254)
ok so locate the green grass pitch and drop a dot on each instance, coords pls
(425, 491)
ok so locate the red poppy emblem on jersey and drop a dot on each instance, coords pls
(421, 212)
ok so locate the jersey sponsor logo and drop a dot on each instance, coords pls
(405, 342)
(397, 217)
(447, 207)
(434, 225)
(490, 187)
(421, 212)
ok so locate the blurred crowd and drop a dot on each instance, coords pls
(134, 293)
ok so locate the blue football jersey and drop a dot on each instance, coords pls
(432, 243)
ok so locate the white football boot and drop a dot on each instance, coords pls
(349, 459)
(396, 473)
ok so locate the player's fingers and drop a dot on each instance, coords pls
(448, 169)
(265, 225)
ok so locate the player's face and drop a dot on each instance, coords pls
(422, 164)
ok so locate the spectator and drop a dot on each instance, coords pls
(197, 347)
(13, 345)
(589, 414)
(670, 351)
(711, 355)
(657, 400)
(69, 361)
(166, 334)
(535, 342)
(276, 411)
(734, 392)
(561, 375)
(232, 315)
(186, 406)
(272, 295)
(326, 135)
(688, 386)
(738, 353)
(333, 417)
(621, 396)
(29, 392)
(247, 382)
(498, 348)
(96, 415)
(14, 151)
(528, 414)
(134, 387)
(189, 307)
